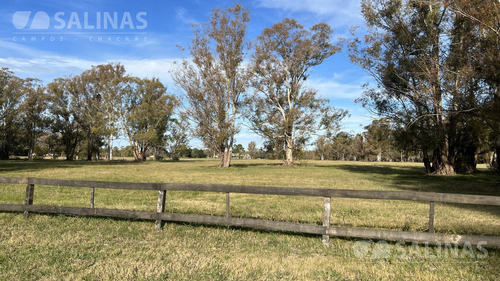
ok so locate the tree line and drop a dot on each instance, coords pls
(83, 113)
(380, 142)
(435, 64)
(437, 71)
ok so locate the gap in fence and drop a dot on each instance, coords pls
(366, 213)
(12, 193)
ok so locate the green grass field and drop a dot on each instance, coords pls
(48, 247)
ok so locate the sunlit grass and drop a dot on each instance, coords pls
(60, 247)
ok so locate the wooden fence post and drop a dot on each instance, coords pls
(227, 204)
(431, 217)
(160, 207)
(30, 190)
(326, 220)
(92, 198)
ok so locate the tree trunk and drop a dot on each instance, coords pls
(225, 157)
(289, 151)
(30, 153)
(137, 153)
(69, 151)
(31, 149)
(109, 155)
(441, 164)
(89, 148)
(427, 162)
(379, 157)
(289, 147)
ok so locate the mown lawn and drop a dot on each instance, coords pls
(46, 247)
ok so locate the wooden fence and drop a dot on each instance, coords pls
(325, 230)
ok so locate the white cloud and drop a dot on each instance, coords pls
(333, 89)
(47, 66)
(150, 67)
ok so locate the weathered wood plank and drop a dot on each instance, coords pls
(14, 180)
(491, 241)
(200, 219)
(97, 184)
(160, 207)
(92, 193)
(30, 191)
(227, 204)
(267, 190)
(342, 193)
(114, 213)
(431, 238)
(326, 220)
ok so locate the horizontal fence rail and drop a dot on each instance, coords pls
(325, 229)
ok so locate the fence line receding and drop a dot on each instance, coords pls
(325, 230)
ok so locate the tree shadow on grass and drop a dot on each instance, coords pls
(247, 165)
(7, 166)
(413, 178)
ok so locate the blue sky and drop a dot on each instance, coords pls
(50, 39)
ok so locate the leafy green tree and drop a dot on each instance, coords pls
(106, 77)
(378, 136)
(64, 115)
(215, 79)
(198, 153)
(359, 147)
(322, 147)
(283, 110)
(177, 137)
(86, 96)
(33, 113)
(252, 150)
(10, 99)
(238, 150)
(145, 113)
(342, 146)
(416, 51)
(476, 37)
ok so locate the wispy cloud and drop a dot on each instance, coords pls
(334, 89)
(47, 66)
(336, 13)
(184, 17)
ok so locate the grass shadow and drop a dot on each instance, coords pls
(413, 178)
(36, 165)
(249, 165)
